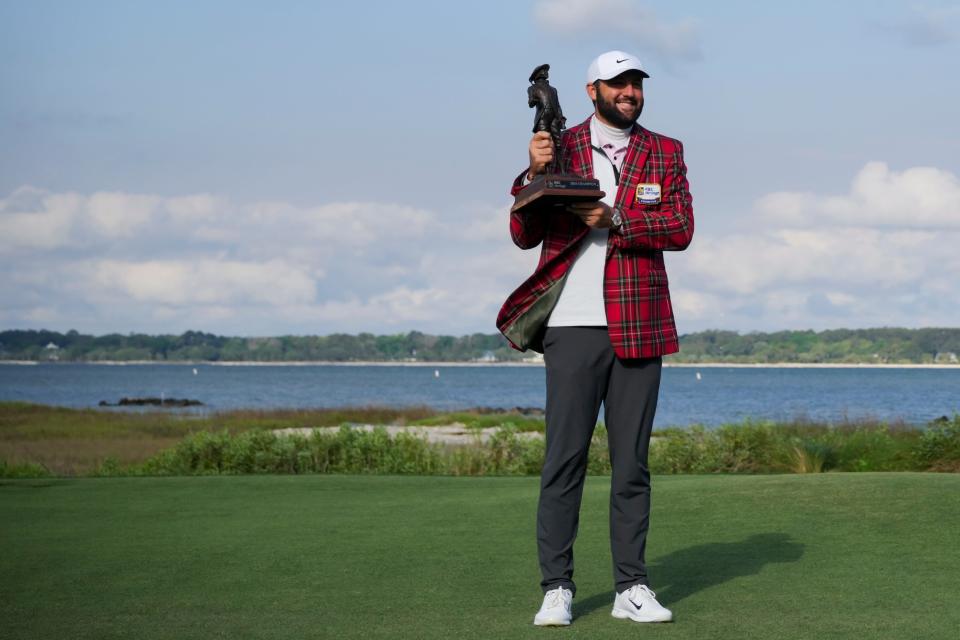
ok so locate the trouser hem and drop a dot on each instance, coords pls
(620, 588)
(566, 584)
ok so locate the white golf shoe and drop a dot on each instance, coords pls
(555, 610)
(639, 603)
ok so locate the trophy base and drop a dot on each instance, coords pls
(553, 189)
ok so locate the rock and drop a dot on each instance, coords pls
(155, 402)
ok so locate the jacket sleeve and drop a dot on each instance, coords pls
(664, 227)
(526, 229)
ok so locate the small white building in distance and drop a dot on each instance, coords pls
(52, 351)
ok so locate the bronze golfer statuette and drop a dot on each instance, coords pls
(551, 188)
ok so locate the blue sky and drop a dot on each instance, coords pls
(296, 167)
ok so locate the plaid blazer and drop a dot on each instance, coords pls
(635, 289)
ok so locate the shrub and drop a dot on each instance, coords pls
(110, 466)
(23, 470)
(748, 447)
(693, 450)
(938, 449)
(872, 448)
(811, 457)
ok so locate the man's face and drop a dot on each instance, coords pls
(619, 100)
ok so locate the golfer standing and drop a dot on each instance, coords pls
(598, 308)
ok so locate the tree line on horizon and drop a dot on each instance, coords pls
(865, 346)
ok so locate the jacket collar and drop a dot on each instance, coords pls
(637, 150)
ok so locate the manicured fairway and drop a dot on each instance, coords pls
(816, 556)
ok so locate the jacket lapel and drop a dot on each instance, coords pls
(637, 152)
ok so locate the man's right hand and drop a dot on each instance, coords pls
(541, 153)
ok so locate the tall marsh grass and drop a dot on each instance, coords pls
(345, 451)
(750, 447)
(244, 443)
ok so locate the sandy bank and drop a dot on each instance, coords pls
(456, 433)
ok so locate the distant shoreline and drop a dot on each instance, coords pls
(323, 363)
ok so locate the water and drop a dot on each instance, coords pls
(721, 395)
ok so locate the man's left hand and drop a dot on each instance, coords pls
(596, 215)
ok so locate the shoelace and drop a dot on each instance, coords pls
(641, 587)
(557, 600)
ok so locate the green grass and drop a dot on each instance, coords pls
(869, 555)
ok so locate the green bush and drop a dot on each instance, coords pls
(767, 447)
(811, 456)
(24, 470)
(865, 449)
(693, 450)
(938, 448)
(346, 451)
(748, 447)
(110, 466)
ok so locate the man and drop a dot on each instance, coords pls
(598, 307)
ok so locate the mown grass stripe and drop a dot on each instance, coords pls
(790, 556)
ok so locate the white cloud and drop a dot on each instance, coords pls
(33, 219)
(265, 267)
(857, 257)
(195, 208)
(883, 253)
(785, 207)
(117, 215)
(688, 303)
(919, 197)
(365, 223)
(200, 282)
(486, 223)
(674, 41)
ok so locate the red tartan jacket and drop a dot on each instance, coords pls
(635, 289)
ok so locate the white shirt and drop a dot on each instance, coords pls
(581, 301)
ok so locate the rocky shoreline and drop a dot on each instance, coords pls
(152, 402)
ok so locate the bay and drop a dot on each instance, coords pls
(719, 395)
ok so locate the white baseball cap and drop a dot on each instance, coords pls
(613, 63)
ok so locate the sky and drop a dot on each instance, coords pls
(271, 168)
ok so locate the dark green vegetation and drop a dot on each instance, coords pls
(198, 346)
(39, 441)
(275, 557)
(79, 441)
(870, 346)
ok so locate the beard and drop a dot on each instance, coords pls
(613, 115)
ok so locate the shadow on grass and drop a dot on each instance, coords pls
(687, 571)
(35, 484)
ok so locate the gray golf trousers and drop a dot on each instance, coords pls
(583, 372)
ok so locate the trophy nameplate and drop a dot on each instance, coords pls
(553, 189)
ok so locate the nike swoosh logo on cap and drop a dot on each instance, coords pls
(624, 60)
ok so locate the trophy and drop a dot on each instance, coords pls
(551, 188)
